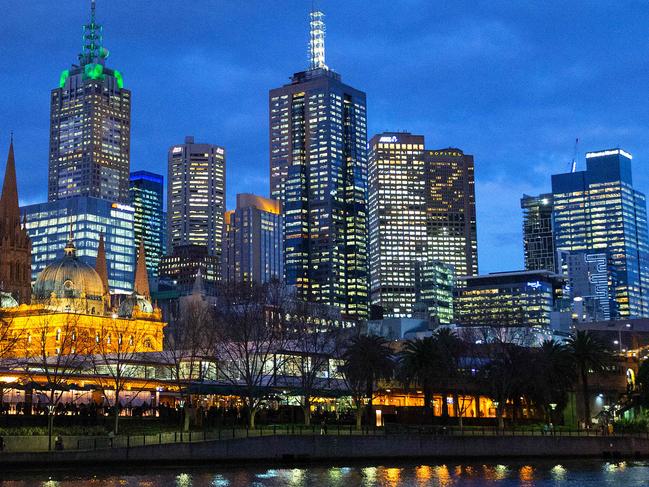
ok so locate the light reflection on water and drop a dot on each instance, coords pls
(532, 474)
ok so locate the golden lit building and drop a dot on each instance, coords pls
(71, 313)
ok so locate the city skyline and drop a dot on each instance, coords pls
(500, 40)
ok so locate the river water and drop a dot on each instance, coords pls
(507, 474)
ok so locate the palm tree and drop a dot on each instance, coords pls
(589, 354)
(366, 360)
(555, 375)
(419, 363)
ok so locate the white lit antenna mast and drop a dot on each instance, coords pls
(317, 41)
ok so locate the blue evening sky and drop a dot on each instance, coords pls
(512, 82)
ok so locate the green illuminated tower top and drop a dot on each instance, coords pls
(93, 51)
(90, 126)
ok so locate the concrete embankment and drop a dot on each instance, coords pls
(333, 448)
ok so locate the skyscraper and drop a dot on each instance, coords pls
(195, 196)
(421, 216)
(599, 210)
(90, 124)
(450, 210)
(397, 220)
(538, 239)
(318, 171)
(253, 244)
(147, 193)
(15, 245)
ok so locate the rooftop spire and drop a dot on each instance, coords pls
(100, 263)
(317, 41)
(9, 198)
(93, 51)
(141, 277)
(70, 249)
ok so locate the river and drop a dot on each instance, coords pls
(582, 473)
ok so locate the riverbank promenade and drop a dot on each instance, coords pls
(292, 443)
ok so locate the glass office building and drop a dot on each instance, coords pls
(49, 225)
(434, 288)
(318, 172)
(509, 299)
(397, 220)
(147, 193)
(599, 210)
(538, 238)
(90, 125)
(450, 210)
(253, 244)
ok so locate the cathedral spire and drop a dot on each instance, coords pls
(100, 264)
(141, 277)
(9, 199)
(317, 41)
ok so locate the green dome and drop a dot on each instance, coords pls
(68, 277)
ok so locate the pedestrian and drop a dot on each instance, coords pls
(323, 426)
(58, 443)
(2, 444)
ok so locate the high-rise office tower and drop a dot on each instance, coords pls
(450, 208)
(49, 225)
(253, 244)
(599, 210)
(195, 196)
(318, 171)
(421, 210)
(90, 124)
(147, 193)
(538, 239)
(397, 220)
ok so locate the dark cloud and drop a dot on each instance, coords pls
(513, 83)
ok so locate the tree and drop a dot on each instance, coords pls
(314, 339)
(189, 342)
(56, 351)
(554, 376)
(250, 329)
(366, 360)
(589, 355)
(643, 383)
(419, 364)
(12, 345)
(117, 344)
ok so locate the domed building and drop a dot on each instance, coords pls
(71, 285)
(70, 310)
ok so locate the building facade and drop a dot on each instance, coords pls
(421, 210)
(450, 210)
(147, 196)
(599, 210)
(179, 271)
(318, 172)
(538, 237)
(397, 220)
(15, 245)
(591, 283)
(49, 226)
(195, 196)
(434, 288)
(253, 243)
(509, 299)
(90, 124)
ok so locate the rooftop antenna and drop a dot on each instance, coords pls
(317, 39)
(92, 38)
(574, 156)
